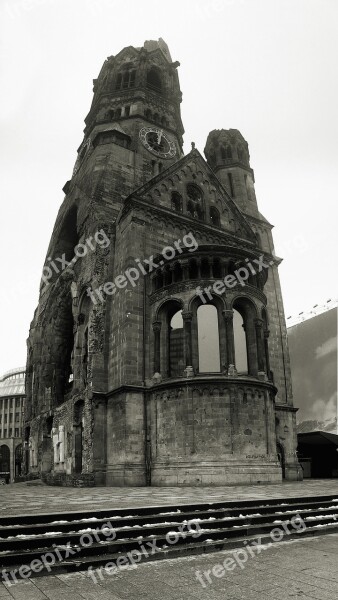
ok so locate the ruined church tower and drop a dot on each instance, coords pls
(157, 354)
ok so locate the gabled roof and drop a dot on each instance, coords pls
(196, 157)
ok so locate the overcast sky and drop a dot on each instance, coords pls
(265, 67)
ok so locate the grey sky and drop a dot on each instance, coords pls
(265, 67)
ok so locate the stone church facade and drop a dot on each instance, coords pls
(157, 355)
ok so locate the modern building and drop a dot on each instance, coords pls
(157, 354)
(12, 400)
(313, 354)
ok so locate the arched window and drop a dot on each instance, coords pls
(111, 114)
(127, 111)
(240, 344)
(147, 113)
(259, 240)
(195, 206)
(125, 79)
(118, 113)
(176, 202)
(178, 274)
(176, 345)
(154, 80)
(119, 81)
(214, 216)
(226, 152)
(248, 184)
(67, 241)
(208, 339)
(240, 153)
(156, 118)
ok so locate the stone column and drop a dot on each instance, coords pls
(187, 319)
(198, 262)
(266, 348)
(260, 346)
(210, 263)
(157, 346)
(185, 268)
(230, 343)
(224, 267)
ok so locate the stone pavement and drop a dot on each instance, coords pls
(305, 569)
(19, 498)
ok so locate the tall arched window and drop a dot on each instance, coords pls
(240, 343)
(119, 81)
(125, 79)
(208, 339)
(214, 216)
(176, 202)
(195, 201)
(176, 345)
(154, 80)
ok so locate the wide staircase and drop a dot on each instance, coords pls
(64, 542)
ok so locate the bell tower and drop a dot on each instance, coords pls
(157, 353)
(227, 153)
(136, 106)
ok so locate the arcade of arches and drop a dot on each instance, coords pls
(211, 333)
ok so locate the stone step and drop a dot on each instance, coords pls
(168, 530)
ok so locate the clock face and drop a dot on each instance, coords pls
(157, 142)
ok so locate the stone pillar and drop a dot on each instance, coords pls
(157, 346)
(99, 408)
(187, 319)
(210, 263)
(230, 342)
(266, 348)
(185, 268)
(260, 346)
(224, 267)
(198, 262)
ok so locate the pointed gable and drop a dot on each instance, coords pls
(190, 187)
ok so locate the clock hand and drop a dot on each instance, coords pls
(159, 136)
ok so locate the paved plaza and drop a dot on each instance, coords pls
(20, 498)
(305, 569)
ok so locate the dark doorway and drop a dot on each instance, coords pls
(78, 435)
(317, 454)
(5, 459)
